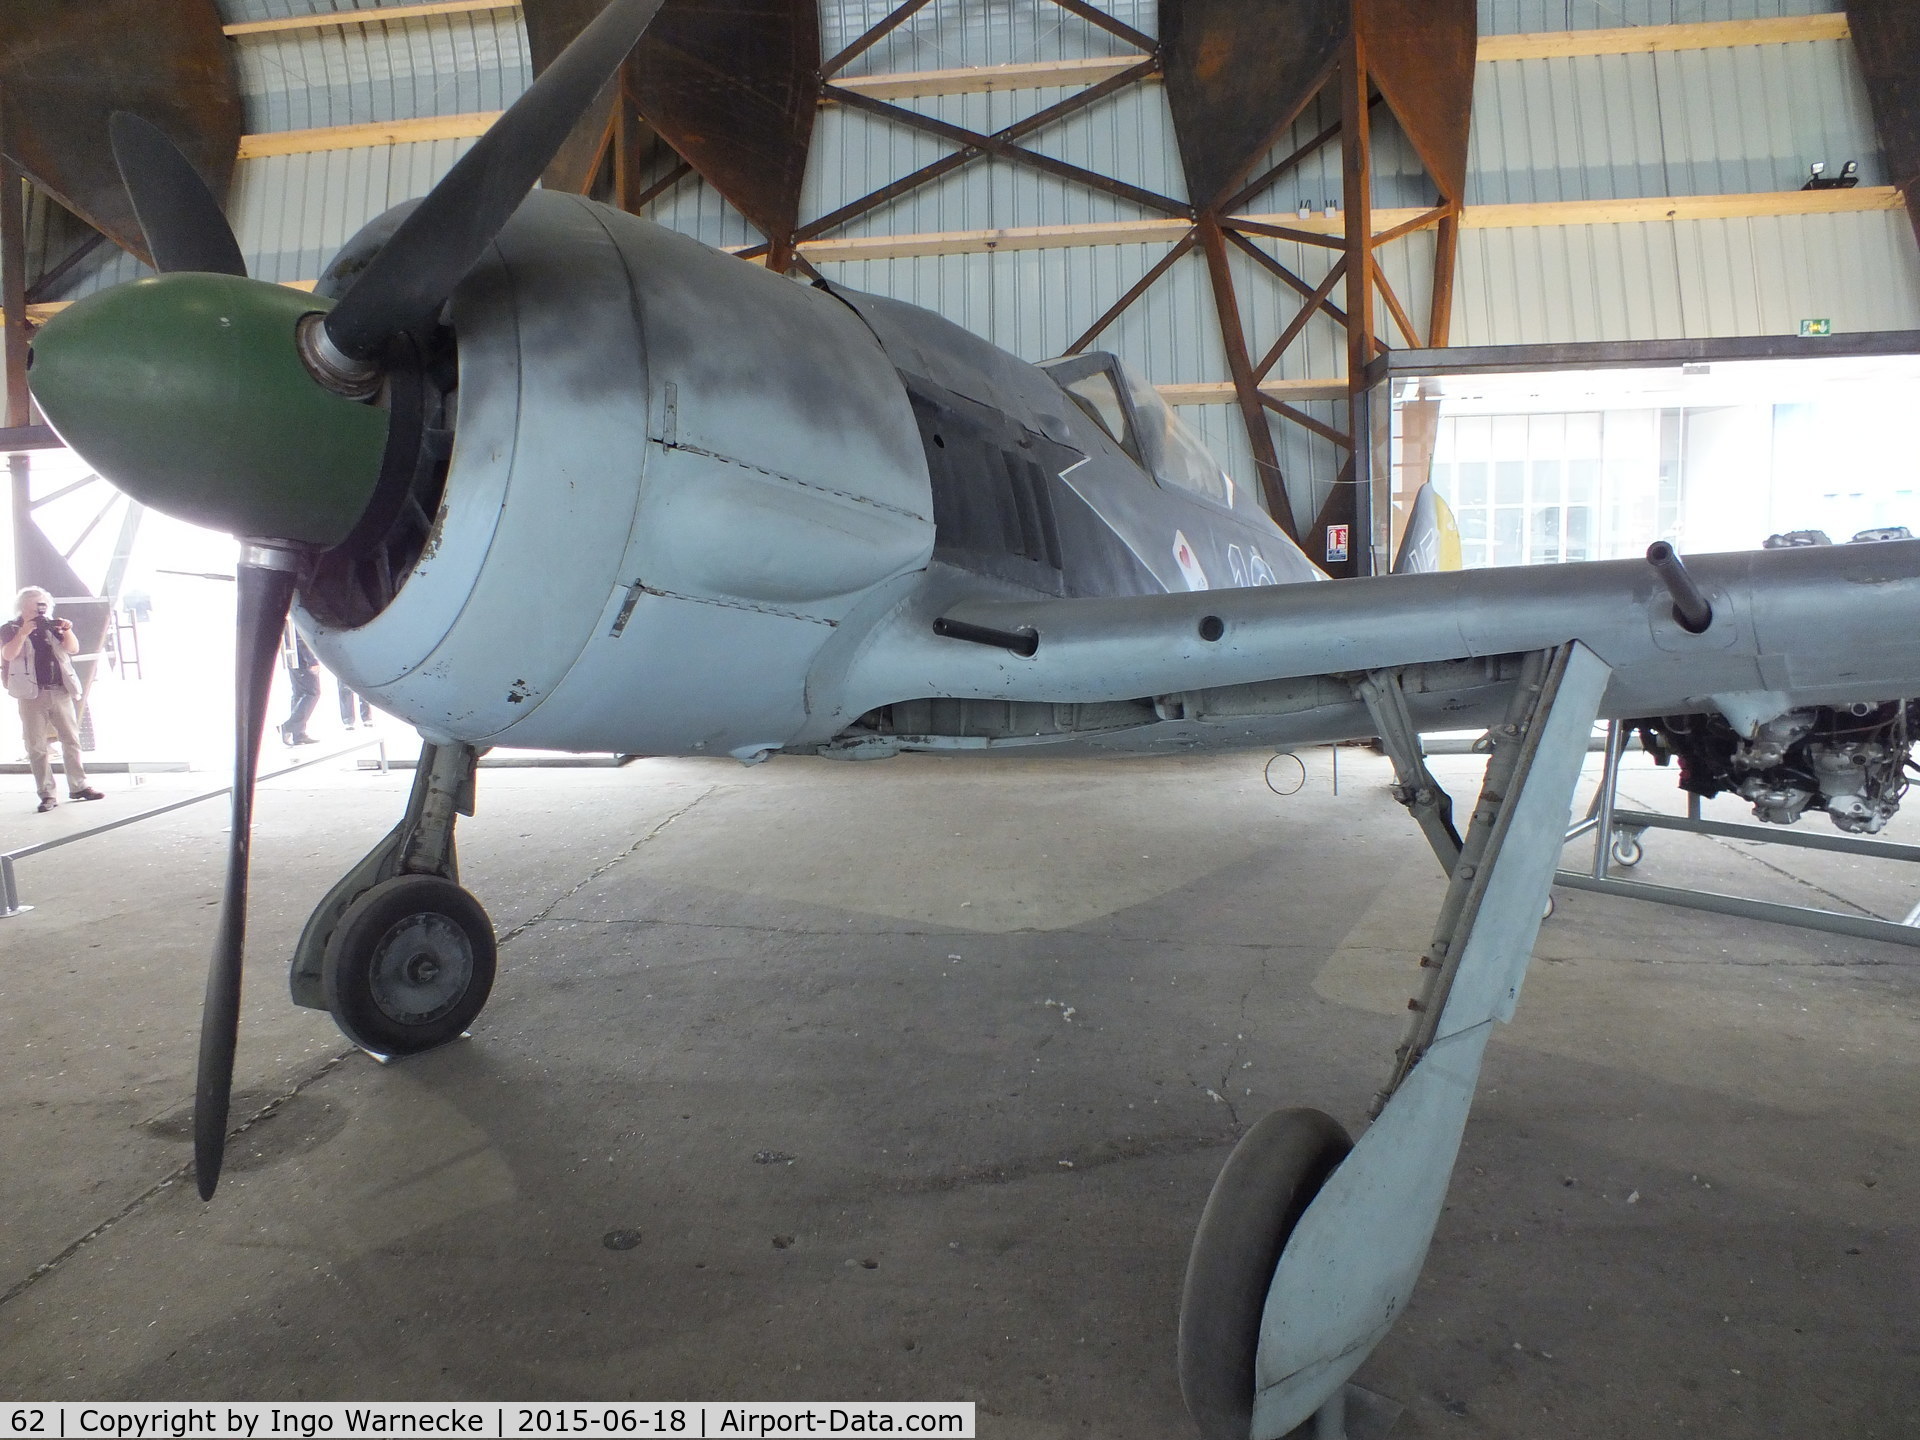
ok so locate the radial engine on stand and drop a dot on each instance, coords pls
(1851, 762)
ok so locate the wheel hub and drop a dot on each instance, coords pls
(421, 968)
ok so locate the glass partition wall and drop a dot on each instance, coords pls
(1556, 466)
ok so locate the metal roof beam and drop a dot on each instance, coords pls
(1221, 392)
(1390, 222)
(372, 15)
(359, 137)
(1654, 39)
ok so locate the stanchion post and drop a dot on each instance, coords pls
(10, 905)
(1609, 784)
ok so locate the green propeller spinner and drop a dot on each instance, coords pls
(188, 392)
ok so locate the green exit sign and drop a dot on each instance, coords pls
(1812, 328)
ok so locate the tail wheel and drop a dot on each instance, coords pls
(410, 965)
(1264, 1188)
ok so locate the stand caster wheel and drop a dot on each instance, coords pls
(410, 965)
(1626, 849)
(1264, 1188)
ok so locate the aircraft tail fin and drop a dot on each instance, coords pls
(1432, 539)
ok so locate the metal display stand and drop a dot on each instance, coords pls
(1616, 841)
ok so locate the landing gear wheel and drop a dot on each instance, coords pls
(1265, 1186)
(1626, 849)
(409, 965)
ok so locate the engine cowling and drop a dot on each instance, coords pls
(673, 475)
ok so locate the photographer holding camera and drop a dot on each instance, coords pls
(34, 651)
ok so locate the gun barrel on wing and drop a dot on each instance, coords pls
(1820, 626)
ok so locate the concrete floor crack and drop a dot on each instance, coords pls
(166, 1182)
(668, 924)
(1220, 1095)
(525, 925)
(1236, 1057)
(1263, 948)
(1110, 1152)
(1226, 1093)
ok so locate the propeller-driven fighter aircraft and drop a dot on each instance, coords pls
(764, 518)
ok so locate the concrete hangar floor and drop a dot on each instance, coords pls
(913, 1077)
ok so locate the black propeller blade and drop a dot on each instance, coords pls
(405, 283)
(266, 592)
(183, 222)
(441, 240)
(187, 230)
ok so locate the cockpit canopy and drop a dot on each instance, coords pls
(1141, 423)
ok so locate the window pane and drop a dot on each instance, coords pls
(1473, 437)
(1510, 482)
(1579, 532)
(1473, 523)
(1583, 434)
(1546, 536)
(1473, 482)
(1509, 536)
(1185, 461)
(1546, 482)
(1098, 398)
(1583, 482)
(1175, 454)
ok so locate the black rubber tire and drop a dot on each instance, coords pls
(409, 965)
(1265, 1186)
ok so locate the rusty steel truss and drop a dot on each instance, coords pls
(745, 129)
(728, 90)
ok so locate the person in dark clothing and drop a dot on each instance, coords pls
(346, 706)
(303, 674)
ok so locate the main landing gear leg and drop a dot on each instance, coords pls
(397, 952)
(1264, 1351)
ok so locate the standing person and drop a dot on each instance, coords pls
(346, 706)
(34, 652)
(303, 672)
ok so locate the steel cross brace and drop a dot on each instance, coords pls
(1414, 785)
(1351, 1262)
